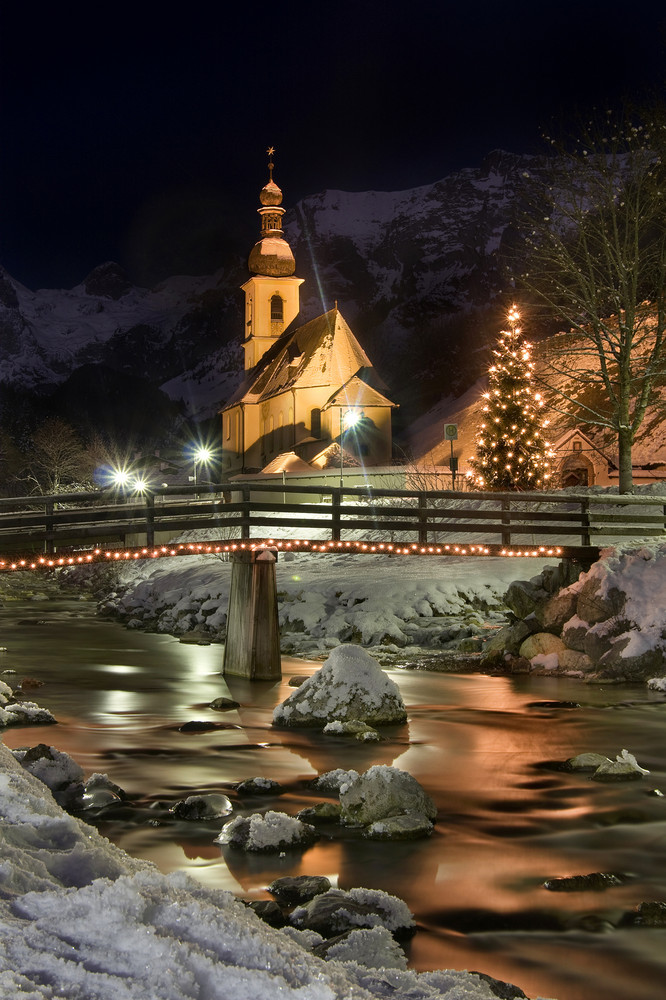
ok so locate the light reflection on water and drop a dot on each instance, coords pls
(479, 745)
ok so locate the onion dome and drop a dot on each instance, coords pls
(271, 255)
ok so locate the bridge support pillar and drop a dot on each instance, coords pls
(252, 649)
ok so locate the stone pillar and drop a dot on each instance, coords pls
(252, 648)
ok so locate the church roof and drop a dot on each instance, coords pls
(323, 352)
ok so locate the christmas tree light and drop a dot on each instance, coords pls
(511, 451)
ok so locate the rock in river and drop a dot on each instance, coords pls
(349, 685)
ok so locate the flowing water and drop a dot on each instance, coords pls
(485, 748)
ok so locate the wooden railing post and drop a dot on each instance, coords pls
(150, 519)
(335, 514)
(585, 522)
(245, 518)
(49, 544)
(506, 522)
(423, 519)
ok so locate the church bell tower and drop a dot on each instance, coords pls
(272, 293)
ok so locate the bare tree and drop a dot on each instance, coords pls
(597, 261)
(57, 460)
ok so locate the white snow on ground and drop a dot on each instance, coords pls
(326, 599)
(79, 918)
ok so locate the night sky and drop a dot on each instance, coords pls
(137, 135)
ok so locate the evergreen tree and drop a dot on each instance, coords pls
(511, 452)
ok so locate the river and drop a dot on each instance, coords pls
(485, 748)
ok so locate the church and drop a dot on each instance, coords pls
(308, 389)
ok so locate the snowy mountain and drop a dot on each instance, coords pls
(415, 273)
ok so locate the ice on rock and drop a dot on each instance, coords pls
(350, 685)
(202, 807)
(372, 947)
(25, 713)
(55, 768)
(274, 831)
(333, 781)
(336, 911)
(383, 792)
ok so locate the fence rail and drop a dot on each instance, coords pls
(577, 523)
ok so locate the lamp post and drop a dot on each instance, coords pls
(200, 456)
(347, 421)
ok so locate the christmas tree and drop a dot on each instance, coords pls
(511, 452)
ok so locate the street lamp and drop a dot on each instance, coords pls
(347, 420)
(200, 456)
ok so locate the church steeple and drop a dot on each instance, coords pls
(272, 293)
(271, 255)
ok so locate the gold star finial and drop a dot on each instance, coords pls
(271, 153)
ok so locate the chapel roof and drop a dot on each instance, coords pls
(323, 352)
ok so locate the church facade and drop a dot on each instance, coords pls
(308, 389)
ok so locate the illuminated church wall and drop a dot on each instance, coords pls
(299, 380)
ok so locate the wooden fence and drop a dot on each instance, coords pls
(577, 523)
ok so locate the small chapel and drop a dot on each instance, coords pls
(309, 390)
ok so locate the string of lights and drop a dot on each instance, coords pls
(110, 555)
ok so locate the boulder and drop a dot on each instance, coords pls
(294, 889)
(507, 639)
(574, 632)
(321, 812)
(594, 607)
(557, 610)
(594, 882)
(625, 767)
(337, 911)
(523, 596)
(542, 643)
(350, 685)
(617, 664)
(651, 914)
(408, 826)
(258, 786)
(602, 637)
(572, 660)
(586, 762)
(202, 807)
(270, 833)
(384, 791)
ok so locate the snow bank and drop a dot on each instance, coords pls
(393, 603)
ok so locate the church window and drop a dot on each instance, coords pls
(277, 309)
(227, 427)
(271, 435)
(280, 433)
(315, 422)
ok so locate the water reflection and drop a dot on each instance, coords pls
(483, 747)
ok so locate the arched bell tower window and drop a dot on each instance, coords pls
(277, 309)
(315, 423)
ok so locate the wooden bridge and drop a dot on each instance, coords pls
(72, 526)
(243, 520)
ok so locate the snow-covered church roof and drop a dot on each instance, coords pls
(323, 352)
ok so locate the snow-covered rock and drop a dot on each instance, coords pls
(349, 686)
(383, 792)
(202, 807)
(272, 831)
(337, 911)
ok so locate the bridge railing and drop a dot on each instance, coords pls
(258, 510)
